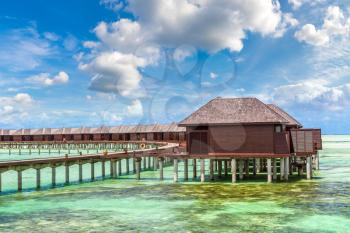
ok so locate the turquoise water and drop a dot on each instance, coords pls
(126, 205)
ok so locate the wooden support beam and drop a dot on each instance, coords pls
(80, 172)
(225, 167)
(67, 172)
(38, 180)
(186, 169)
(211, 169)
(134, 165)
(194, 168)
(53, 175)
(240, 168)
(92, 170)
(234, 170)
(286, 168)
(258, 168)
(254, 167)
(246, 167)
(176, 177)
(274, 177)
(19, 180)
(138, 168)
(219, 168)
(103, 167)
(308, 168)
(127, 166)
(202, 170)
(120, 167)
(269, 171)
(161, 174)
(282, 168)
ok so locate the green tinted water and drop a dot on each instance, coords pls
(320, 205)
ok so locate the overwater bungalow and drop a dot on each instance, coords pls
(246, 129)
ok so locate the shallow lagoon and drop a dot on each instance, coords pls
(320, 205)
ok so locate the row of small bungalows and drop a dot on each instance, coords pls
(156, 132)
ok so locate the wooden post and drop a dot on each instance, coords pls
(113, 169)
(155, 164)
(308, 167)
(186, 169)
(202, 170)
(103, 167)
(19, 180)
(240, 167)
(80, 172)
(318, 161)
(161, 174)
(38, 178)
(225, 167)
(149, 162)
(194, 168)
(246, 166)
(274, 169)
(134, 165)
(144, 163)
(127, 166)
(269, 171)
(254, 167)
(176, 177)
(119, 167)
(282, 168)
(234, 170)
(219, 168)
(138, 167)
(92, 170)
(286, 168)
(211, 169)
(67, 172)
(257, 161)
(53, 175)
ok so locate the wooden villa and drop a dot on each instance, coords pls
(246, 131)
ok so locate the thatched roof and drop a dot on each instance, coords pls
(291, 120)
(233, 111)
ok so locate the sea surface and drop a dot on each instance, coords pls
(149, 205)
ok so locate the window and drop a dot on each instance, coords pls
(278, 128)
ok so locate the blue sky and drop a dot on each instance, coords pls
(111, 62)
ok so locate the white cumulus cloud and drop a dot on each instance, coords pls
(335, 25)
(45, 79)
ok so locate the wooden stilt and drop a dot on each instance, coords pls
(92, 171)
(308, 167)
(103, 167)
(286, 167)
(202, 170)
(282, 168)
(80, 172)
(246, 166)
(161, 174)
(176, 177)
(67, 173)
(127, 166)
(138, 168)
(257, 161)
(120, 167)
(274, 169)
(225, 167)
(219, 168)
(38, 180)
(254, 167)
(240, 168)
(211, 169)
(19, 180)
(194, 168)
(53, 175)
(186, 169)
(234, 170)
(269, 171)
